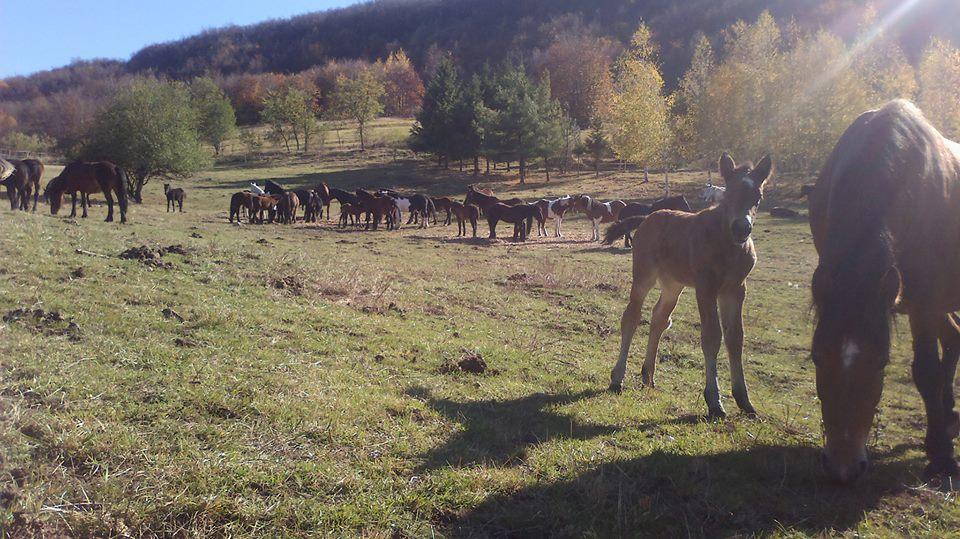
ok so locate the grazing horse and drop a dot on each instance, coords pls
(443, 204)
(287, 208)
(553, 209)
(22, 182)
(174, 197)
(465, 213)
(711, 251)
(678, 203)
(263, 203)
(240, 202)
(419, 206)
(483, 199)
(89, 178)
(377, 209)
(350, 214)
(311, 203)
(885, 217)
(521, 216)
(597, 212)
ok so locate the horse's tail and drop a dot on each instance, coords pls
(622, 228)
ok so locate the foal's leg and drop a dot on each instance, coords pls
(643, 280)
(109, 196)
(731, 315)
(73, 204)
(710, 336)
(928, 376)
(950, 343)
(84, 204)
(659, 323)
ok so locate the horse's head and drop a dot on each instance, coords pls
(166, 188)
(854, 299)
(744, 190)
(53, 194)
(579, 203)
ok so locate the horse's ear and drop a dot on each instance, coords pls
(761, 173)
(727, 165)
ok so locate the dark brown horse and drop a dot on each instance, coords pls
(443, 204)
(239, 203)
(483, 199)
(24, 181)
(465, 213)
(287, 208)
(678, 203)
(311, 203)
(323, 192)
(521, 216)
(377, 209)
(174, 197)
(885, 217)
(86, 179)
(260, 204)
(711, 251)
(350, 214)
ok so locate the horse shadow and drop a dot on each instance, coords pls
(766, 489)
(499, 432)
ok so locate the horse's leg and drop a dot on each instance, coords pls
(710, 336)
(626, 240)
(84, 204)
(180, 203)
(928, 376)
(73, 204)
(493, 226)
(109, 196)
(473, 223)
(950, 343)
(12, 197)
(596, 230)
(559, 222)
(659, 323)
(643, 280)
(731, 316)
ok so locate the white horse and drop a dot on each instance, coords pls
(256, 189)
(713, 194)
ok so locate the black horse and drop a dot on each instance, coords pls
(636, 210)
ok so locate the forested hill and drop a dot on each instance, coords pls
(476, 31)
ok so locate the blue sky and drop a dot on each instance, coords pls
(42, 34)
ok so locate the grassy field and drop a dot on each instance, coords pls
(297, 381)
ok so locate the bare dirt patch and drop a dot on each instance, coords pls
(50, 323)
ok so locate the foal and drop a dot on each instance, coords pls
(711, 251)
(174, 197)
(465, 213)
(553, 209)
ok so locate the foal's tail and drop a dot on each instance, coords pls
(622, 228)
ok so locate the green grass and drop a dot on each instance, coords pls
(304, 393)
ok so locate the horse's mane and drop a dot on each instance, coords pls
(881, 154)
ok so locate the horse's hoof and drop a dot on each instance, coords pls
(941, 469)
(716, 413)
(615, 388)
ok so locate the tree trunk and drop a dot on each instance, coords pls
(508, 167)
(461, 165)
(523, 170)
(546, 167)
(488, 165)
(363, 146)
(136, 189)
(439, 161)
(476, 165)
(596, 166)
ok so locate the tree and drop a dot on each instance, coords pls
(359, 99)
(579, 63)
(434, 127)
(940, 87)
(639, 116)
(217, 120)
(596, 144)
(291, 114)
(690, 115)
(403, 87)
(150, 130)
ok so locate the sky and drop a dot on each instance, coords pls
(43, 34)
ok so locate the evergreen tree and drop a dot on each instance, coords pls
(434, 127)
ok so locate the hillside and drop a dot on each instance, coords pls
(477, 31)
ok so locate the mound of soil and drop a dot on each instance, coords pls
(47, 323)
(471, 362)
(151, 256)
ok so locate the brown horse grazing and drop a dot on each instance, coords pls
(484, 198)
(323, 193)
(885, 217)
(520, 216)
(597, 212)
(174, 197)
(24, 181)
(379, 208)
(240, 202)
(678, 203)
(263, 203)
(465, 213)
(86, 179)
(443, 204)
(350, 214)
(711, 251)
(287, 208)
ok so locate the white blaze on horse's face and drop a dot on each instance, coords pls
(744, 190)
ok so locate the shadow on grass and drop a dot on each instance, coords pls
(757, 491)
(498, 432)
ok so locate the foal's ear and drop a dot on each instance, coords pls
(727, 165)
(761, 173)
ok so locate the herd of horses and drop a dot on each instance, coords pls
(885, 219)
